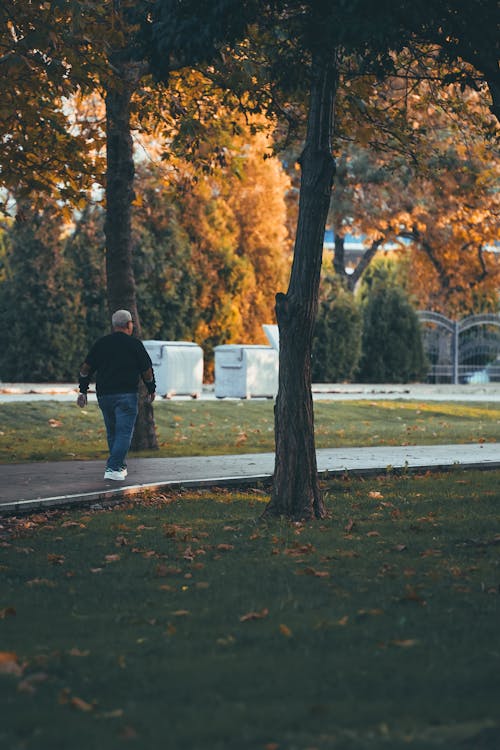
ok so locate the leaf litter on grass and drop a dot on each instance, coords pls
(376, 629)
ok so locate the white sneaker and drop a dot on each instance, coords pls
(115, 475)
(125, 470)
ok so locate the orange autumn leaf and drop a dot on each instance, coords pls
(315, 573)
(80, 704)
(254, 615)
(285, 630)
(55, 559)
(9, 664)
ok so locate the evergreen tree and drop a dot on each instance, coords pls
(165, 276)
(337, 337)
(85, 250)
(392, 349)
(41, 337)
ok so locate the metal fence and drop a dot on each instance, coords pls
(461, 351)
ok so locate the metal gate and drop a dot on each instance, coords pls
(461, 351)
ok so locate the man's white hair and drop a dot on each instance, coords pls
(120, 318)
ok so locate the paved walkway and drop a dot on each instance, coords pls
(31, 486)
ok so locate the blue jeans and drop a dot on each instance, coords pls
(120, 412)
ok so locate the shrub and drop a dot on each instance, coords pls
(337, 338)
(392, 350)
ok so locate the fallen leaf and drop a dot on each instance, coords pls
(111, 558)
(55, 423)
(431, 553)
(412, 595)
(343, 620)
(78, 652)
(40, 582)
(116, 714)
(314, 572)
(163, 570)
(407, 643)
(349, 526)
(225, 547)
(9, 664)
(55, 559)
(128, 733)
(28, 685)
(254, 615)
(299, 549)
(181, 612)
(80, 704)
(285, 630)
(375, 494)
(7, 612)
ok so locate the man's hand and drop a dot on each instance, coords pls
(151, 397)
(82, 400)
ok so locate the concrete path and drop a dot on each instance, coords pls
(31, 486)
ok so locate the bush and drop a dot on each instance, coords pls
(41, 338)
(392, 350)
(337, 338)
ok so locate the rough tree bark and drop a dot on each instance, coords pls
(296, 492)
(120, 173)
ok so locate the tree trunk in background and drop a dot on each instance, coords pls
(296, 492)
(119, 196)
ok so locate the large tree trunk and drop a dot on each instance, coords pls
(296, 493)
(117, 227)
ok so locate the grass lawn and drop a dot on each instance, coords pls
(51, 430)
(180, 622)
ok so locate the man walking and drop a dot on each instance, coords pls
(118, 361)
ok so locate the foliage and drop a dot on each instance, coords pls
(370, 623)
(41, 338)
(337, 337)
(422, 174)
(84, 249)
(211, 247)
(46, 58)
(392, 350)
(164, 273)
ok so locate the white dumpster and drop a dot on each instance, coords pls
(245, 371)
(178, 367)
(273, 335)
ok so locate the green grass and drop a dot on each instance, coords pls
(51, 430)
(181, 622)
